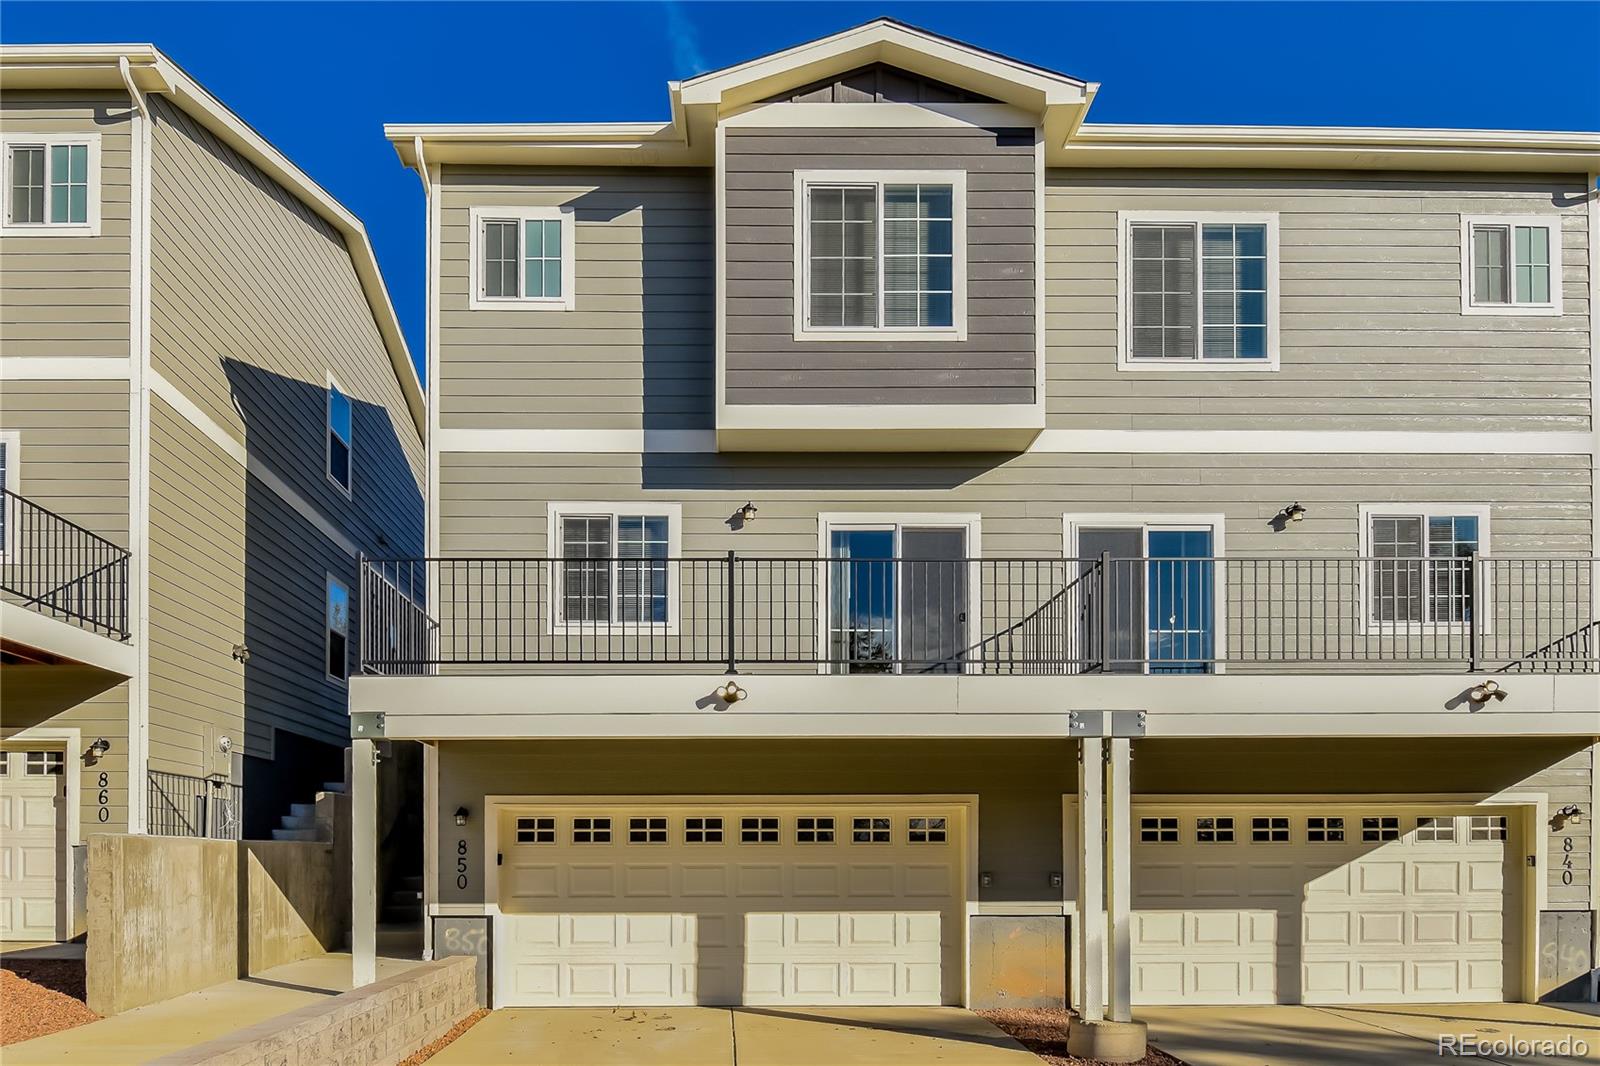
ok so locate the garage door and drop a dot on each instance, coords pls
(1343, 905)
(813, 903)
(31, 870)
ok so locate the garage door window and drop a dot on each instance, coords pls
(537, 830)
(591, 830)
(927, 831)
(1158, 830)
(647, 830)
(702, 830)
(1325, 830)
(813, 830)
(1213, 830)
(758, 830)
(1269, 830)
(5, 763)
(871, 831)
(1488, 827)
(46, 762)
(1436, 830)
(1381, 828)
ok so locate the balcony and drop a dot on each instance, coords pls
(60, 570)
(1104, 615)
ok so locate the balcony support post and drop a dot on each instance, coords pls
(363, 862)
(1091, 919)
(1119, 885)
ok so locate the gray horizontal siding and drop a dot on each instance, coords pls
(74, 449)
(994, 365)
(69, 296)
(1372, 331)
(637, 350)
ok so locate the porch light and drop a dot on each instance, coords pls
(1571, 814)
(1294, 512)
(747, 513)
(1488, 690)
(97, 750)
(461, 815)
(731, 693)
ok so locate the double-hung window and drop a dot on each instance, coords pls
(1419, 562)
(880, 256)
(1198, 290)
(522, 258)
(1510, 265)
(341, 437)
(616, 564)
(51, 185)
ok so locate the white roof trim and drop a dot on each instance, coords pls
(1107, 133)
(96, 65)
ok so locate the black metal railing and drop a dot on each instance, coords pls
(185, 806)
(58, 568)
(991, 616)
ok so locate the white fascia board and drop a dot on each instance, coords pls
(31, 629)
(1368, 135)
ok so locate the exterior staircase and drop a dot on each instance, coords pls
(403, 905)
(301, 821)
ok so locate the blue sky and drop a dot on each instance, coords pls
(320, 79)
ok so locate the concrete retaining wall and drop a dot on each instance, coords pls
(168, 915)
(378, 1025)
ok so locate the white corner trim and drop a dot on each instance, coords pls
(88, 228)
(1125, 359)
(65, 368)
(1549, 222)
(191, 413)
(138, 367)
(956, 179)
(564, 214)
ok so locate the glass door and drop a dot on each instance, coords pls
(1162, 587)
(898, 599)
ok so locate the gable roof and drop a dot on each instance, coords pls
(96, 66)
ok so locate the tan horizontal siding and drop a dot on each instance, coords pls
(74, 449)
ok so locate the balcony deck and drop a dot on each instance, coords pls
(58, 569)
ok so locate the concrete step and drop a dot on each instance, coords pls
(303, 810)
(291, 821)
(333, 786)
(294, 834)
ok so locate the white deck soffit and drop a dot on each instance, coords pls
(95, 66)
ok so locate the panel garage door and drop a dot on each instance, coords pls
(32, 867)
(809, 903)
(1343, 905)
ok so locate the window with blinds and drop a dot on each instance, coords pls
(1421, 567)
(523, 258)
(1199, 291)
(615, 567)
(1511, 264)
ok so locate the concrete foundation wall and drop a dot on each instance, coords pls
(377, 1025)
(168, 915)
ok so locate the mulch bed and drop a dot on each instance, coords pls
(1044, 1032)
(41, 996)
(433, 1049)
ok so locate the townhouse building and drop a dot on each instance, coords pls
(207, 414)
(894, 541)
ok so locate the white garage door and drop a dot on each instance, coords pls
(805, 903)
(31, 868)
(1336, 905)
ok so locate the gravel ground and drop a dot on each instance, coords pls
(433, 1049)
(39, 997)
(1044, 1032)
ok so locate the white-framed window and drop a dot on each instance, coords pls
(813, 829)
(338, 629)
(1419, 569)
(591, 830)
(340, 423)
(1158, 830)
(11, 481)
(1197, 290)
(1272, 829)
(41, 763)
(1510, 265)
(927, 831)
(523, 258)
(871, 830)
(5, 763)
(51, 185)
(1325, 830)
(647, 830)
(758, 829)
(1485, 827)
(616, 564)
(704, 829)
(1166, 588)
(880, 255)
(538, 829)
(1436, 830)
(1214, 829)
(1377, 828)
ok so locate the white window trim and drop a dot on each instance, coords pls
(829, 521)
(347, 491)
(1125, 359)
(1366, 512)
(556, 510)
(12, 440)
(956, 179)
(89, 228)
(331, 579)
(1073, 523)
(567, 301)
(1549, 222)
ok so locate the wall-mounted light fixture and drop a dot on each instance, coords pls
(731, 692)
(97, 750)
(747, 513)
(241, 653)
(1486, 691)
(1571, 814)
(461, 815)
(1294, 512)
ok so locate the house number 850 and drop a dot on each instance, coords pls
(461, 864)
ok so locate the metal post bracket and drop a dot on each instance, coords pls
(366, 725)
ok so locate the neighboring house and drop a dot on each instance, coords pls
(207, 413)
(853, 500)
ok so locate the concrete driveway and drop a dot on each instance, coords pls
(744, 1036)
(1402, 1035)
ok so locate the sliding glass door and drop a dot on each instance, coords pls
(898, 599)
(1162, 589)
